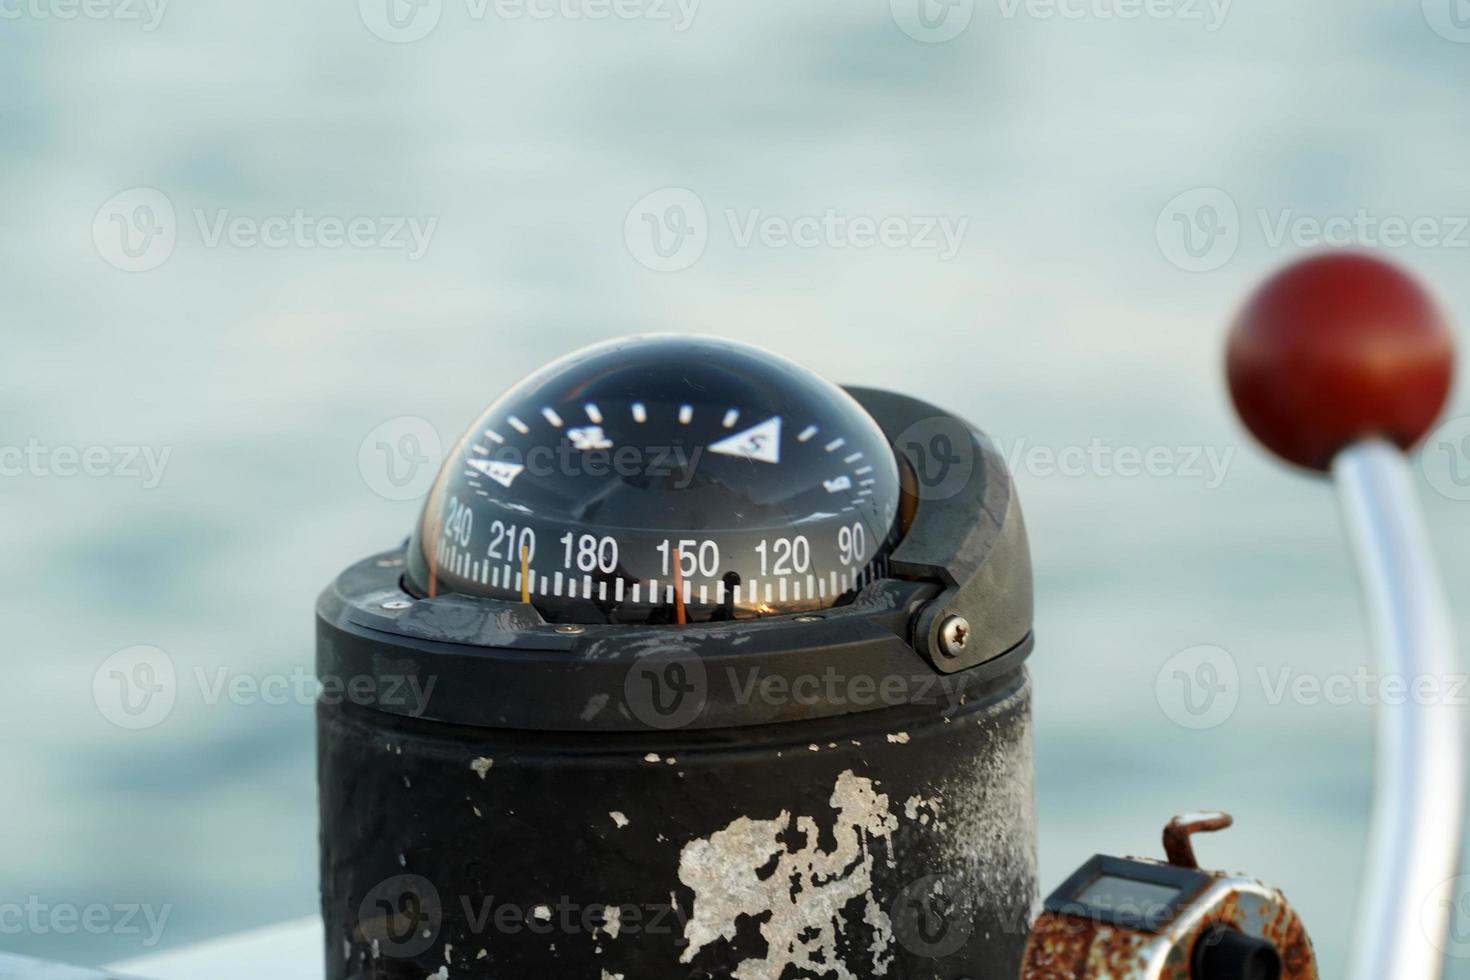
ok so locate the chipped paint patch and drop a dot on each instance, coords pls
(925, 811)
(618, 818)
(612, 921)
(899, 738)
(798, 890)
(482, 765)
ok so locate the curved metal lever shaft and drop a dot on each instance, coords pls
(1418, 796)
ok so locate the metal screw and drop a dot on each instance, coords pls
(808, 619)
(571, 629)
(954, 636)
(396, 604)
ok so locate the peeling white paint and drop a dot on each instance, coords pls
(482, 765)
(899, 738)
(542, 912)
(618, 818)
(802, 900)
(653, 757)
(612, 924)
(925, 811)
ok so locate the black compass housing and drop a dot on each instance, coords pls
(480, 748)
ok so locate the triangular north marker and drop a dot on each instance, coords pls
(761, 443)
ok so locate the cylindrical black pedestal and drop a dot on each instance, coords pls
(896, 843)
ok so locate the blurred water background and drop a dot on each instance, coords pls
(1073, 313)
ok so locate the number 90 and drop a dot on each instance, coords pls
(852, 544)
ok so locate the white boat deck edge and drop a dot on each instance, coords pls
(286, 951)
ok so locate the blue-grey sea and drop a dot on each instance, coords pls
(239, 238)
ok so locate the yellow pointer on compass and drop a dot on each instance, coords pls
(525, 573)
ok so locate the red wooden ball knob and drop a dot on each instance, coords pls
(1335, 350)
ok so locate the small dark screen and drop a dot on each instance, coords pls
(1110, 893)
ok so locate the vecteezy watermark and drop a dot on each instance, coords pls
(937, 21)
(402, 917)
(138, 688)
(1208, 465)
(586, 451)
(138, 230)
(1450, 19)
(407, 21)
(38, 460)
(934, 916)
(1361, 687)
(405, 693)
(932, 21)
(1201, 230)
(1202, 687)
(668, 688)
(1444, 917)
(1210, 14)
(148, 14)
(1198, 688)
(669, 230)
(35, 917)
(940, 451)
(838, 687)
(399, 459)
(1446, 458)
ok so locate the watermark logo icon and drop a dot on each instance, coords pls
(1199, 230)
(1445, 917)
(1450, 19)
(400, 458)
(668, 230)
(932, 21)
(401, 21)
(667, 689)
(401, 916)
(1446, 459)
(136, 688)
(1199, 688)
(941, 456)
(136, 230)
(933, 916)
